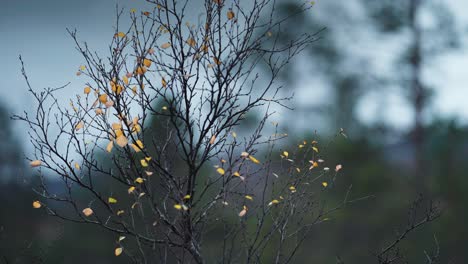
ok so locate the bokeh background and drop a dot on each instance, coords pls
(392, 75)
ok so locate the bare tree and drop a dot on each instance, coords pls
(151, 152)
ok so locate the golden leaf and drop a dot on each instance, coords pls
(285, 153)
(112, 200)
(273, 202)
(165, 45)
(36, 204)
(139, 180)
(87, 211)
(254, 160)
(178, 206)
(110, 145)
(135, 148)
(230, 14)
(213, 139)
(122, 141)
(191, 42)
(144, 163)
(220, 171)
(141, 70)
(120, 34)
(77, 166)
(187, 197)
(103, 98)
(248, 197)
(147, 62)
(79, 126)
(324, 184)
(118, 251)
(163, 82)
(35, 163)
(243, 212)
(87, 90)
(315, 149)
(131, 189)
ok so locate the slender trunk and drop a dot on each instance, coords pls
(418, 94)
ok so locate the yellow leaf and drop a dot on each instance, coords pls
(144, 163)
(79, 126)
(237, 174)
(112, 200)
(243, 212)
(35, 163)
(110, 145)
(135, 148)
(254, 160)
(187, 197)
(120, 34)
(141, 70)
(292, 189)
(122, 141)
(131, 189)
(36, 204)
(103, 98)
(147, 63)
(324, 184)
(139, 144)
(165, 45)
(147, 158)
(87, 90)
(125, 80)
(77, 166)
(139, 180)
(285, 153)
(191, 42)
(87, 211)
(82, 68)
(178, 206)
(248, 197)
(118, 251)
(230, 14)
(213, 139)
(119, 212)
(273, 202)
(163, 82)
(234, 135)
(315, 149)
(220, 171)
(132, 10)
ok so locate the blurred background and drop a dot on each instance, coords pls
(390, 73)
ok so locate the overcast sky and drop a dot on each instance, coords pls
(37, 31)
